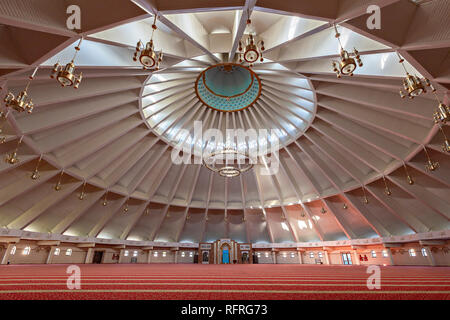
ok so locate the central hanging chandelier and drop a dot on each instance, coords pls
(228, 162)
(65, 75)
(252, 49)
(22, 102)
(148, 57)
(348, 61)
(413, 86)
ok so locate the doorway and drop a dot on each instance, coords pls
(347, 259)
(98, 257)
(205, 257)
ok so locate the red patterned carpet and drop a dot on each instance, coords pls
(220, 282)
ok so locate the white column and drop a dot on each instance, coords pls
(51, 253)
(391, 259)
(89, 255)
(355, 254)
(121, 253)
(149, 257)
(430, 257)
(327, 257)
(274, 257)
(300, 260)
(176, 256)
(7, 253)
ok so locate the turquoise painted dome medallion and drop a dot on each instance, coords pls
(228, 87)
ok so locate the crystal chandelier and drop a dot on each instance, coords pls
(147, 55)
(65, 75)
(228, 162)
(347, 61)
(413, 85)
(252, 49)
(22, 102)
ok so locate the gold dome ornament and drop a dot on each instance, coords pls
(348, 61)
(65, 75)
(22, 102)
(253, 49)
(147, 56)
(413, 86)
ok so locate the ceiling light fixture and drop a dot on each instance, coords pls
(58, 184)
(105, 200)
(147, 55)
(22, 102)
(234, 163)
(442, 114)
(3, 117)
(430, 165)
(35, 175)
(126, 208)
(348, 60)
(253, 49)
(83, 193)
(413, 85)
(12, 157)
(409, 179)
(65, 75)
(446, 145)
(366, 200)
(387, 191)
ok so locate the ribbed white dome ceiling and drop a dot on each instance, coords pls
(113, 137)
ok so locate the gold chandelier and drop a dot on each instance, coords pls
(148, 57)
(413, 86)
(22, 102)
(348, 61)
(446, 145)
(12, 158)
(430, 165)
(442, 114)
(65, 75)
(253, 49)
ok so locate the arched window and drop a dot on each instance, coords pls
(424, 252)
(26, 251)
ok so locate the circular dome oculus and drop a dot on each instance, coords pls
(228, 87)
